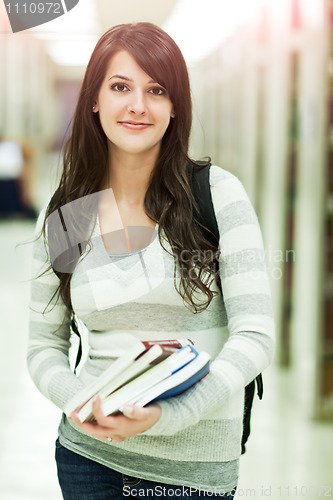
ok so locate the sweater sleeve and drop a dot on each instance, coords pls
(246, 294)
(49, 331)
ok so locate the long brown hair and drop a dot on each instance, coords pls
(168, 199)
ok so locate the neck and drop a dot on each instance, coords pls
(129, 175)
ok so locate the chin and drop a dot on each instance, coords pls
(135, 149)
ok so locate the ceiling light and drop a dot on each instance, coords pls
(199, 27)
(71, 38)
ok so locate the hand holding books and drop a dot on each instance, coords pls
(133, 421)
(148, 372)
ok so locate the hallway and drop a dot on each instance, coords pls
(261, 74)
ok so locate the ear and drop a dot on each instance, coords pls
(95, 107)
(173, 114)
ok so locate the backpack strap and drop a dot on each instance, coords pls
(200, 185)
(79, 351)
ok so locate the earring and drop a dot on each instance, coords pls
(94, 107)
(173, 115)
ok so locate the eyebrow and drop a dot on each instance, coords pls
(126, 78)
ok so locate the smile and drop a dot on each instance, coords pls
(135, 126)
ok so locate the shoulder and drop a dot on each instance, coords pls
(236, 218)
(223, 178)
(226, 188)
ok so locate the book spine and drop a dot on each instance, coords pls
(174, 343)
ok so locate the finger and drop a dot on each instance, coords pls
(93, 429)
(86, 426)
(135, 412)
(100, 418)
(97, 431)
(97, 410)
(73, 416)
(117, 439)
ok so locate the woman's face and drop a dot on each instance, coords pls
(134, 111)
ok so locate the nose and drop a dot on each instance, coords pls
(137, 103)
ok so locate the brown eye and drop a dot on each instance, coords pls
(118, 87)
(157, 91)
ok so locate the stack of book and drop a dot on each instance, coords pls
(149, 371)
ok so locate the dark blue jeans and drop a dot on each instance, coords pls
(83, 479)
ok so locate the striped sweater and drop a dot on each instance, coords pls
(125, 297)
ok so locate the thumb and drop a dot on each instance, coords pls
(134, 412)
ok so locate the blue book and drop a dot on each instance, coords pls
(169, 367)
(176, 383)
(182, 387)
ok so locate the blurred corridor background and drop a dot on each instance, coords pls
(262, 81)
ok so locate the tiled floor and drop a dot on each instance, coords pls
(288, 456)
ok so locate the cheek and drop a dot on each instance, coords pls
(108, 105)
(163, 116)
(108, 114)
(167, 120)
(106, 124)
(102, 118)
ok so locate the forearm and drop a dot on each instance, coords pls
(52, 375)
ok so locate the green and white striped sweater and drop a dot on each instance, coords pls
(122, 298)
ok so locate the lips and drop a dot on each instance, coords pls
(134, 125)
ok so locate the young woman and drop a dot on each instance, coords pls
(135, 277)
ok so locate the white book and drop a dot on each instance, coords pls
(155, 354)
(136, 387)
(96, 385)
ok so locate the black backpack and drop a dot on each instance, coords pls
(199, 183)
